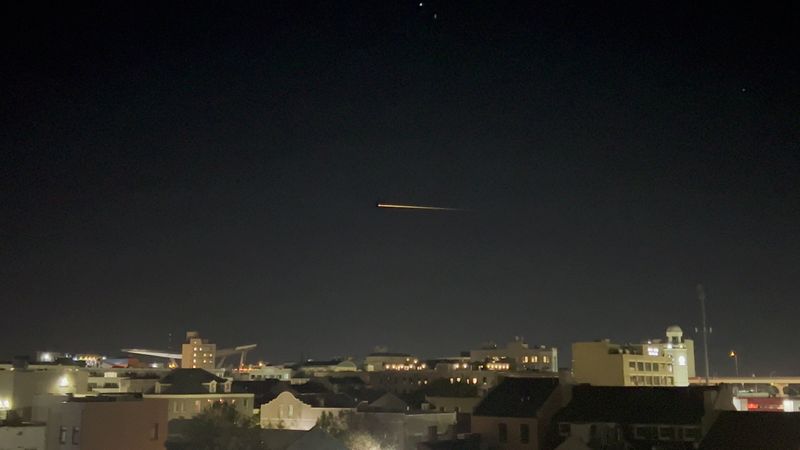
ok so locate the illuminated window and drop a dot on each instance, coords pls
(535, 358)
(524, 359)
(681, 360)
(545, 359)
(62, 435)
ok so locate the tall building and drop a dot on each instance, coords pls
(650, 363)
(198, 353)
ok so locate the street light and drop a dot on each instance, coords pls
(735, 357)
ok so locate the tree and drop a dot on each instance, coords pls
(220, 427)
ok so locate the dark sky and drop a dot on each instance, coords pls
(216, 168)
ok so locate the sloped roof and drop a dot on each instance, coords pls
(312, 387)
(634, 405)
(516, 397)
(188, 381)
(263, 390)
(327, 400)
(388, 402)
(751, 430)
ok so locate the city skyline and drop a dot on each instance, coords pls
(218, 169)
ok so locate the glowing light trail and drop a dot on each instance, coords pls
(429, 208)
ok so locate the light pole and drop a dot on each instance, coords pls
(701, 295)
(735, 357)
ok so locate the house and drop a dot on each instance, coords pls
(516, 414)
(300, 411)
(190, 391)
(393, 418)
(735, 430)
(639, 417)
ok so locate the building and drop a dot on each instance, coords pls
(123, 422)
(263, 372)
(127, 380)
(23, 436)
(753, 431)
(191, 391)
(312, 368)
(516, 414)
(650, 363)
(405, 426)
(379, 361)
(639, 417)
(198, 353)
(517, 355)
(21, 382)
(296, 411)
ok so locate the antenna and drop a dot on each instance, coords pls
(701, 295)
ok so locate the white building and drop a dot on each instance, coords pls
(650, 363)
(291, 411)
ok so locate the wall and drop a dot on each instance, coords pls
(21, 386)
(124, 425)
(25, 437)
(186, 406)
(287, 412)
(488, 428)
(591, 363)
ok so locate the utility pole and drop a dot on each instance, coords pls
(701, 294)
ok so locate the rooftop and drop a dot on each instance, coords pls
(517, 397)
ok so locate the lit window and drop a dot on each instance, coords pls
(524, 359)
(681, 360)
(545, 359)
(535, 358)
(62, 435)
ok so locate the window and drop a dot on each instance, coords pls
(633, 380)
(545, 359)
(524, 433)
(646, 432)
(648, 367)
(632, 364)
(502, 432)
(62, 435)
(691, 434)
(154, 432)
(666, 433)
(524, 359)
(535, 359)
(76, 435)
(640, 366)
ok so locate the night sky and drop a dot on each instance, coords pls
(216, 168)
